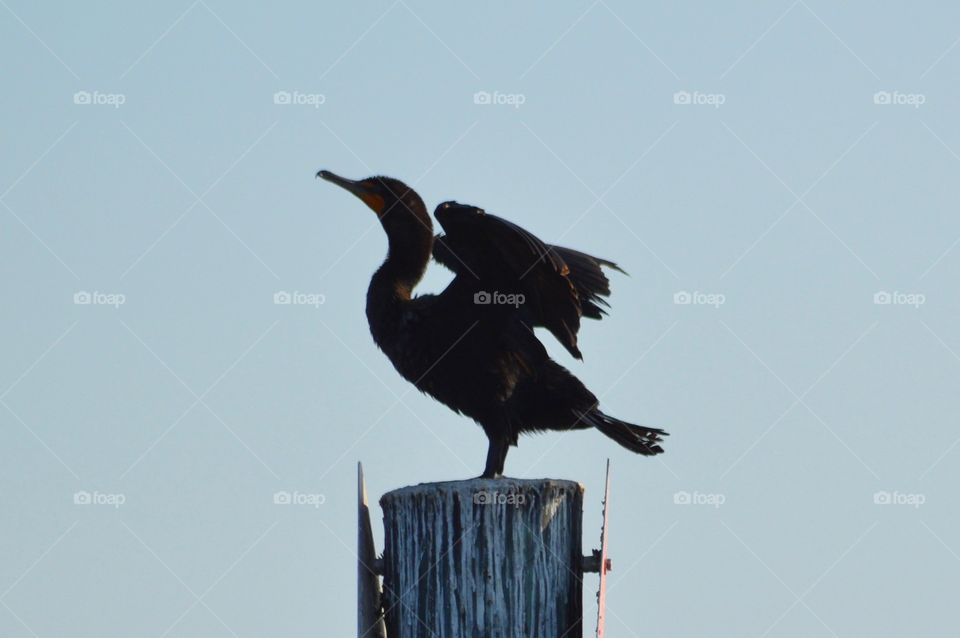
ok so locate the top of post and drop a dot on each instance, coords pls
(473, 486)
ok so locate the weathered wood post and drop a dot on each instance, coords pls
(483, 558)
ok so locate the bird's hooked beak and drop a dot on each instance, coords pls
(362, 190)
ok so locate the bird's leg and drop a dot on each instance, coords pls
(496, 457)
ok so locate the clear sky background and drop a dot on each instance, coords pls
(813, 430)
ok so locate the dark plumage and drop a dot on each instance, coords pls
(472, 347)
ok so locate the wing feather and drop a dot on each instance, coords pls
(491, 254)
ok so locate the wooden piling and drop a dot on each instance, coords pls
(490, 558)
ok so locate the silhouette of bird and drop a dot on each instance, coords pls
(472, 346)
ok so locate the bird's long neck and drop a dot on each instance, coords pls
(407, 258)
(391, 288)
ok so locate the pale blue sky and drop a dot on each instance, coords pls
(185, 188)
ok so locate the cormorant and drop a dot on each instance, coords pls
(472, 347)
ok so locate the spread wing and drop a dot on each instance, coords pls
(491, 255)
(588, 279)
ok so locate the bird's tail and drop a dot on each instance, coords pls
(636, 438)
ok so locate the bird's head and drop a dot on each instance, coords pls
(395, 203)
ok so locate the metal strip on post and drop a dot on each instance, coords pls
(369, 615)
(604, 561)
